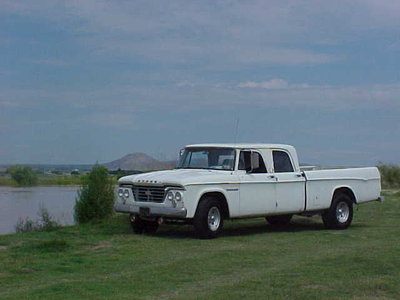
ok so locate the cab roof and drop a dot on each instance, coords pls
(242, 146)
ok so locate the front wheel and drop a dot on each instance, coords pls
(208, 220)
(340, 214)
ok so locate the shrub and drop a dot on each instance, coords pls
(23, 176)
(45, 222)
(96, 197)
(390, 175)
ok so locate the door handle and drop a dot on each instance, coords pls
(271, 177)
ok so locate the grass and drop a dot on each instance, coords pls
(250, 260)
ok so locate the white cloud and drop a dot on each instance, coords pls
(215, 34)
(49, 61)
(8, 104)
(103, 119)
(273, 84)
(273, 93)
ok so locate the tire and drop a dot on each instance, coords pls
(208, 220)
(279, 220)
(340, 214)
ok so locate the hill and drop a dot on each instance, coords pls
(139, 162)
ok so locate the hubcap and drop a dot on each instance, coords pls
(214, 218)
(342, 212)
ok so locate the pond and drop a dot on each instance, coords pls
(16, 203)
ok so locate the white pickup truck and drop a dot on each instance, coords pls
(214, 182)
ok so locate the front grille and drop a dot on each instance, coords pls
(149, 193)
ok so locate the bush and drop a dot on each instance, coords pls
(45, 223)
(23, 176)
(96, 197)
(390, 175)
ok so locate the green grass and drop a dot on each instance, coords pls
(250, 260)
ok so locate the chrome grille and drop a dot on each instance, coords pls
(149, 193)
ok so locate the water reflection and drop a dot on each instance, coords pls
(24, 203)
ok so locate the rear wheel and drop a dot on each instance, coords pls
(208, 220)
(279, 220)
(340, 214)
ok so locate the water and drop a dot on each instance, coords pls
(24, 203)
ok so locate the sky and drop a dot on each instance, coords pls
(90, 81)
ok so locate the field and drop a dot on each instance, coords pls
(251, 260)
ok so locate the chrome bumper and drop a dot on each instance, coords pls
(157, 211)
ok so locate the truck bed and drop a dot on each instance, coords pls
(321, 184)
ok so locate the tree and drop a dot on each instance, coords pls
(23, 176)
(96, 197)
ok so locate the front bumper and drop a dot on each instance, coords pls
(156, 211)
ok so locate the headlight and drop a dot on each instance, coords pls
(120, 193)
(178, 196)
(170, 196)
(126, 193)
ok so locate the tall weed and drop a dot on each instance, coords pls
(45, 222)
(390, 176)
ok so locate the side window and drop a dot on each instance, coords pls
(282, 162)
(244, 162)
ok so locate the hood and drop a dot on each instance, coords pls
(179, 177)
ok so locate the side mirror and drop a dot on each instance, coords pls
(181, 152)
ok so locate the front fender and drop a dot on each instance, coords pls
(196, 192)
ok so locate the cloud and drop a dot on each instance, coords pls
(48, 61)
(181, 32)
(110, 119)
(116, 104)
(273, 84)
(214, 35)
(8, 104)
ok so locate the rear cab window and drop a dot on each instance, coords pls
(244, 162)
(282, 162)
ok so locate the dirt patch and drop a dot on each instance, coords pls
(17, 244)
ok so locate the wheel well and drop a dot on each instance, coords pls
(221, 198)
(347, 191)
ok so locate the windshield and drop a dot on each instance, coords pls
(207, 158)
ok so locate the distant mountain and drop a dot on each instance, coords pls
(139, 162)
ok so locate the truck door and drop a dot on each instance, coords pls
(257, 187)
(290, 184)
